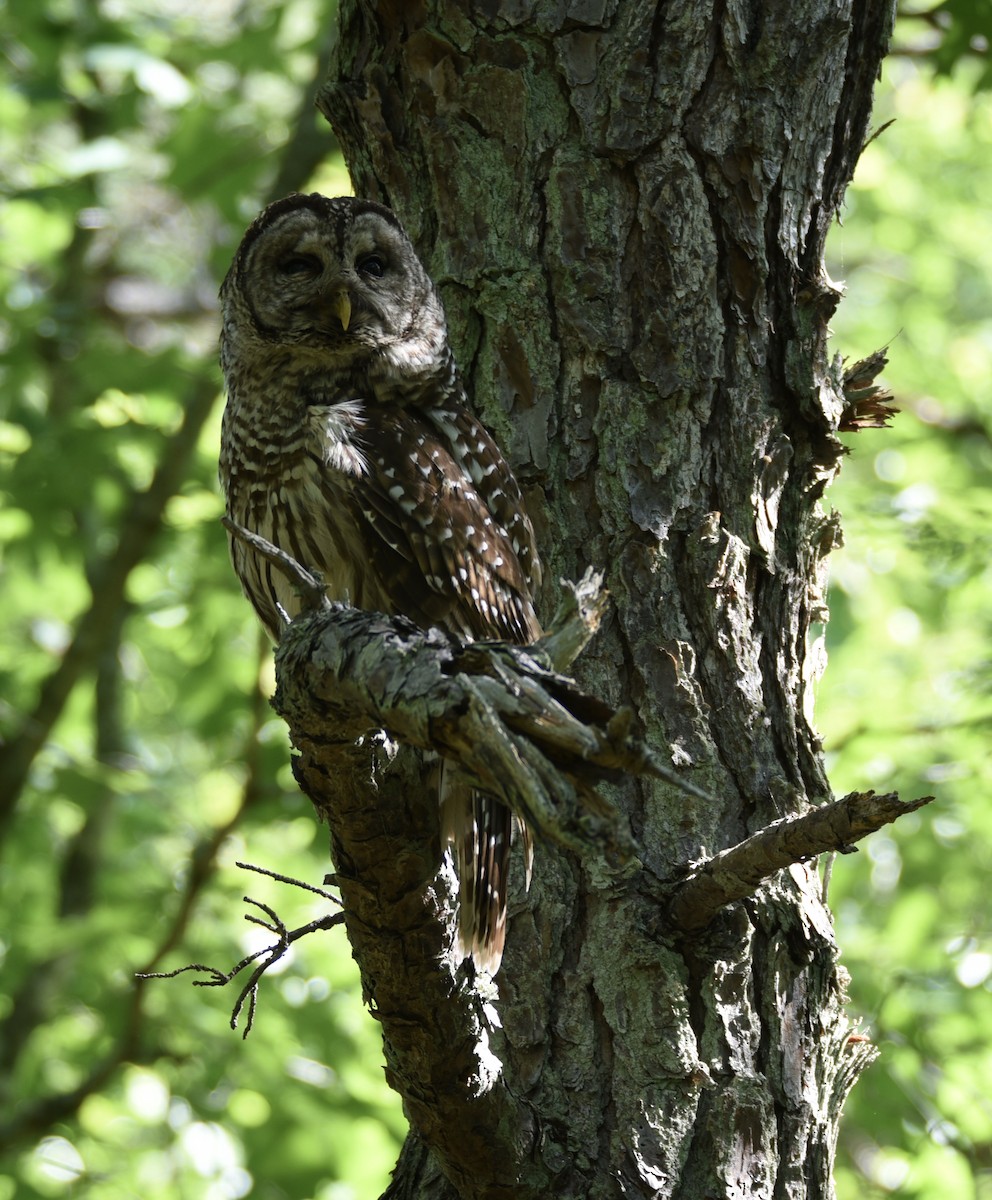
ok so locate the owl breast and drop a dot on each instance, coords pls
(297, 492)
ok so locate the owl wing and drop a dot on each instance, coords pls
(450, 541)
(453, 546)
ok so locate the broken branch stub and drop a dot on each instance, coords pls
(737, 872)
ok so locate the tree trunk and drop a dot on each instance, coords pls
(625, 206)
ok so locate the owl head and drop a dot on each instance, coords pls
(335, 280)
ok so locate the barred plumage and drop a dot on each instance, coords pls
(347, 442)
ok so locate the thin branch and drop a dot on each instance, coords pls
(310, 144)
(875, 729)
(735, 873)
(286, 938)
(203, 860)
(288, 879)
(935, 17)
(877, 133)
(309, 585)
(524, 733)
(40, 991)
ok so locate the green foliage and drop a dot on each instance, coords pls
(136, 140)
(906, 702)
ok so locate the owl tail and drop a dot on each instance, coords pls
(480, 829)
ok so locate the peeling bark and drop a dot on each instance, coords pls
(625, 205)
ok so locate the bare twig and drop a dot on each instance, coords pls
(735, 873)
(309, 584)
(274, 924)
(876, 133)
(298, 883)
(272, 954)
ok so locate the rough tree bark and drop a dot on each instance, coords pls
(625, 204)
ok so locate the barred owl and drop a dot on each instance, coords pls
(348, 443)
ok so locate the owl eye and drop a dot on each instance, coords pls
(372, 264)
(300, 264)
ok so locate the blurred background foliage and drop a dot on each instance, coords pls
(140, 761)
(906, 701)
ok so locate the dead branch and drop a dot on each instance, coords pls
(270, 954)
(521, 730)
(735, 873)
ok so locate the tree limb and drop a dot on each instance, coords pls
(735, 873)
(522, 732)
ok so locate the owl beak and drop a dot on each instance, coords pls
(341, 307)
